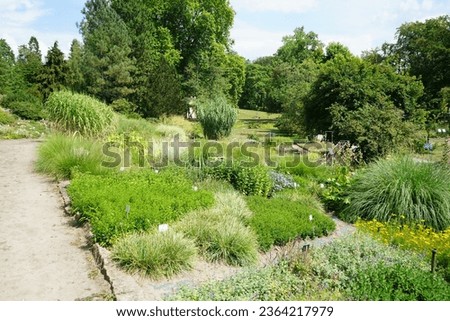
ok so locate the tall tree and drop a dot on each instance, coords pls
(423, 49)
(74, 76)
(53, 76)
(348, 89)
(300, 46)
(7, 61)
(108, 66)
(30, 61)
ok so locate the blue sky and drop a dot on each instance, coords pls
(259, 24)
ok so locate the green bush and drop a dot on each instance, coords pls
(155, 254)
(217, 117)
(278, 221)
(401, 188)
(274, 283)
(153, 199)
(60, 156)
(78, 113)
(397, 283)
(247, 180)
(6, 118)
(27, 109)
(338, 263)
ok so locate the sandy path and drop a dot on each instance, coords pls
(42, 256)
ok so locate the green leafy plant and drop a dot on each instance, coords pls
(278, 221)
(275, 283)
(397, 283)
(78, 113)
(335, 190)
(401, 187)
(60, 156)
(253, 180)
(6, 118)
(155, 254)
(217, 117)
(151, 199)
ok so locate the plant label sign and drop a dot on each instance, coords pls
(163, 228)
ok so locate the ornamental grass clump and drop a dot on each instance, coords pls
(155, 254)
(77, 113)
(416, 192)
(217, 117)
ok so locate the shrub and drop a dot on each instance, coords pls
(30, 110)
(78, 113)
(60, 156)
(416, 238)
(6, 118)
(398, 187)
(338, 263)
(217, 117)
(248, 180)
(152, 198)
(155, 254)
(24, 104)
(397, 283)
(274, 283)
(278, 221)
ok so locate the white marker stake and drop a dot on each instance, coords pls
(163, 228)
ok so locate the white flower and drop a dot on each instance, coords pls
(322, 185)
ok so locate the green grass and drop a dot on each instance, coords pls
(155, 254)
(401, 189)
(220, 232)
(77, 113)
(60, 156)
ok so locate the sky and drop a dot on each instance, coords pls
(259, 26)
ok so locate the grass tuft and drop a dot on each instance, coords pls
(155, 254)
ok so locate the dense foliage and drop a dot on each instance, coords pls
(76, 113)
(278, 221)
(216, 117)
(152, 199)
(249, 180)
(353, 268)
(401, 187)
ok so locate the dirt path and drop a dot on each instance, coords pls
(42, 255)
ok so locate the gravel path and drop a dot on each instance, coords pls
(42, 255)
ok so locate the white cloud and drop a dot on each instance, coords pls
(253, 42)
(285, 6)
(416, 5)
(20, 12)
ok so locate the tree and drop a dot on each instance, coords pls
(256, 87)
(108, 66)
(347, 90)
(7, 61)
(423, 51)
(192, 36)
(53, 76)
(74, 76)
(163, 92)
(29, 61)
(300, 46)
